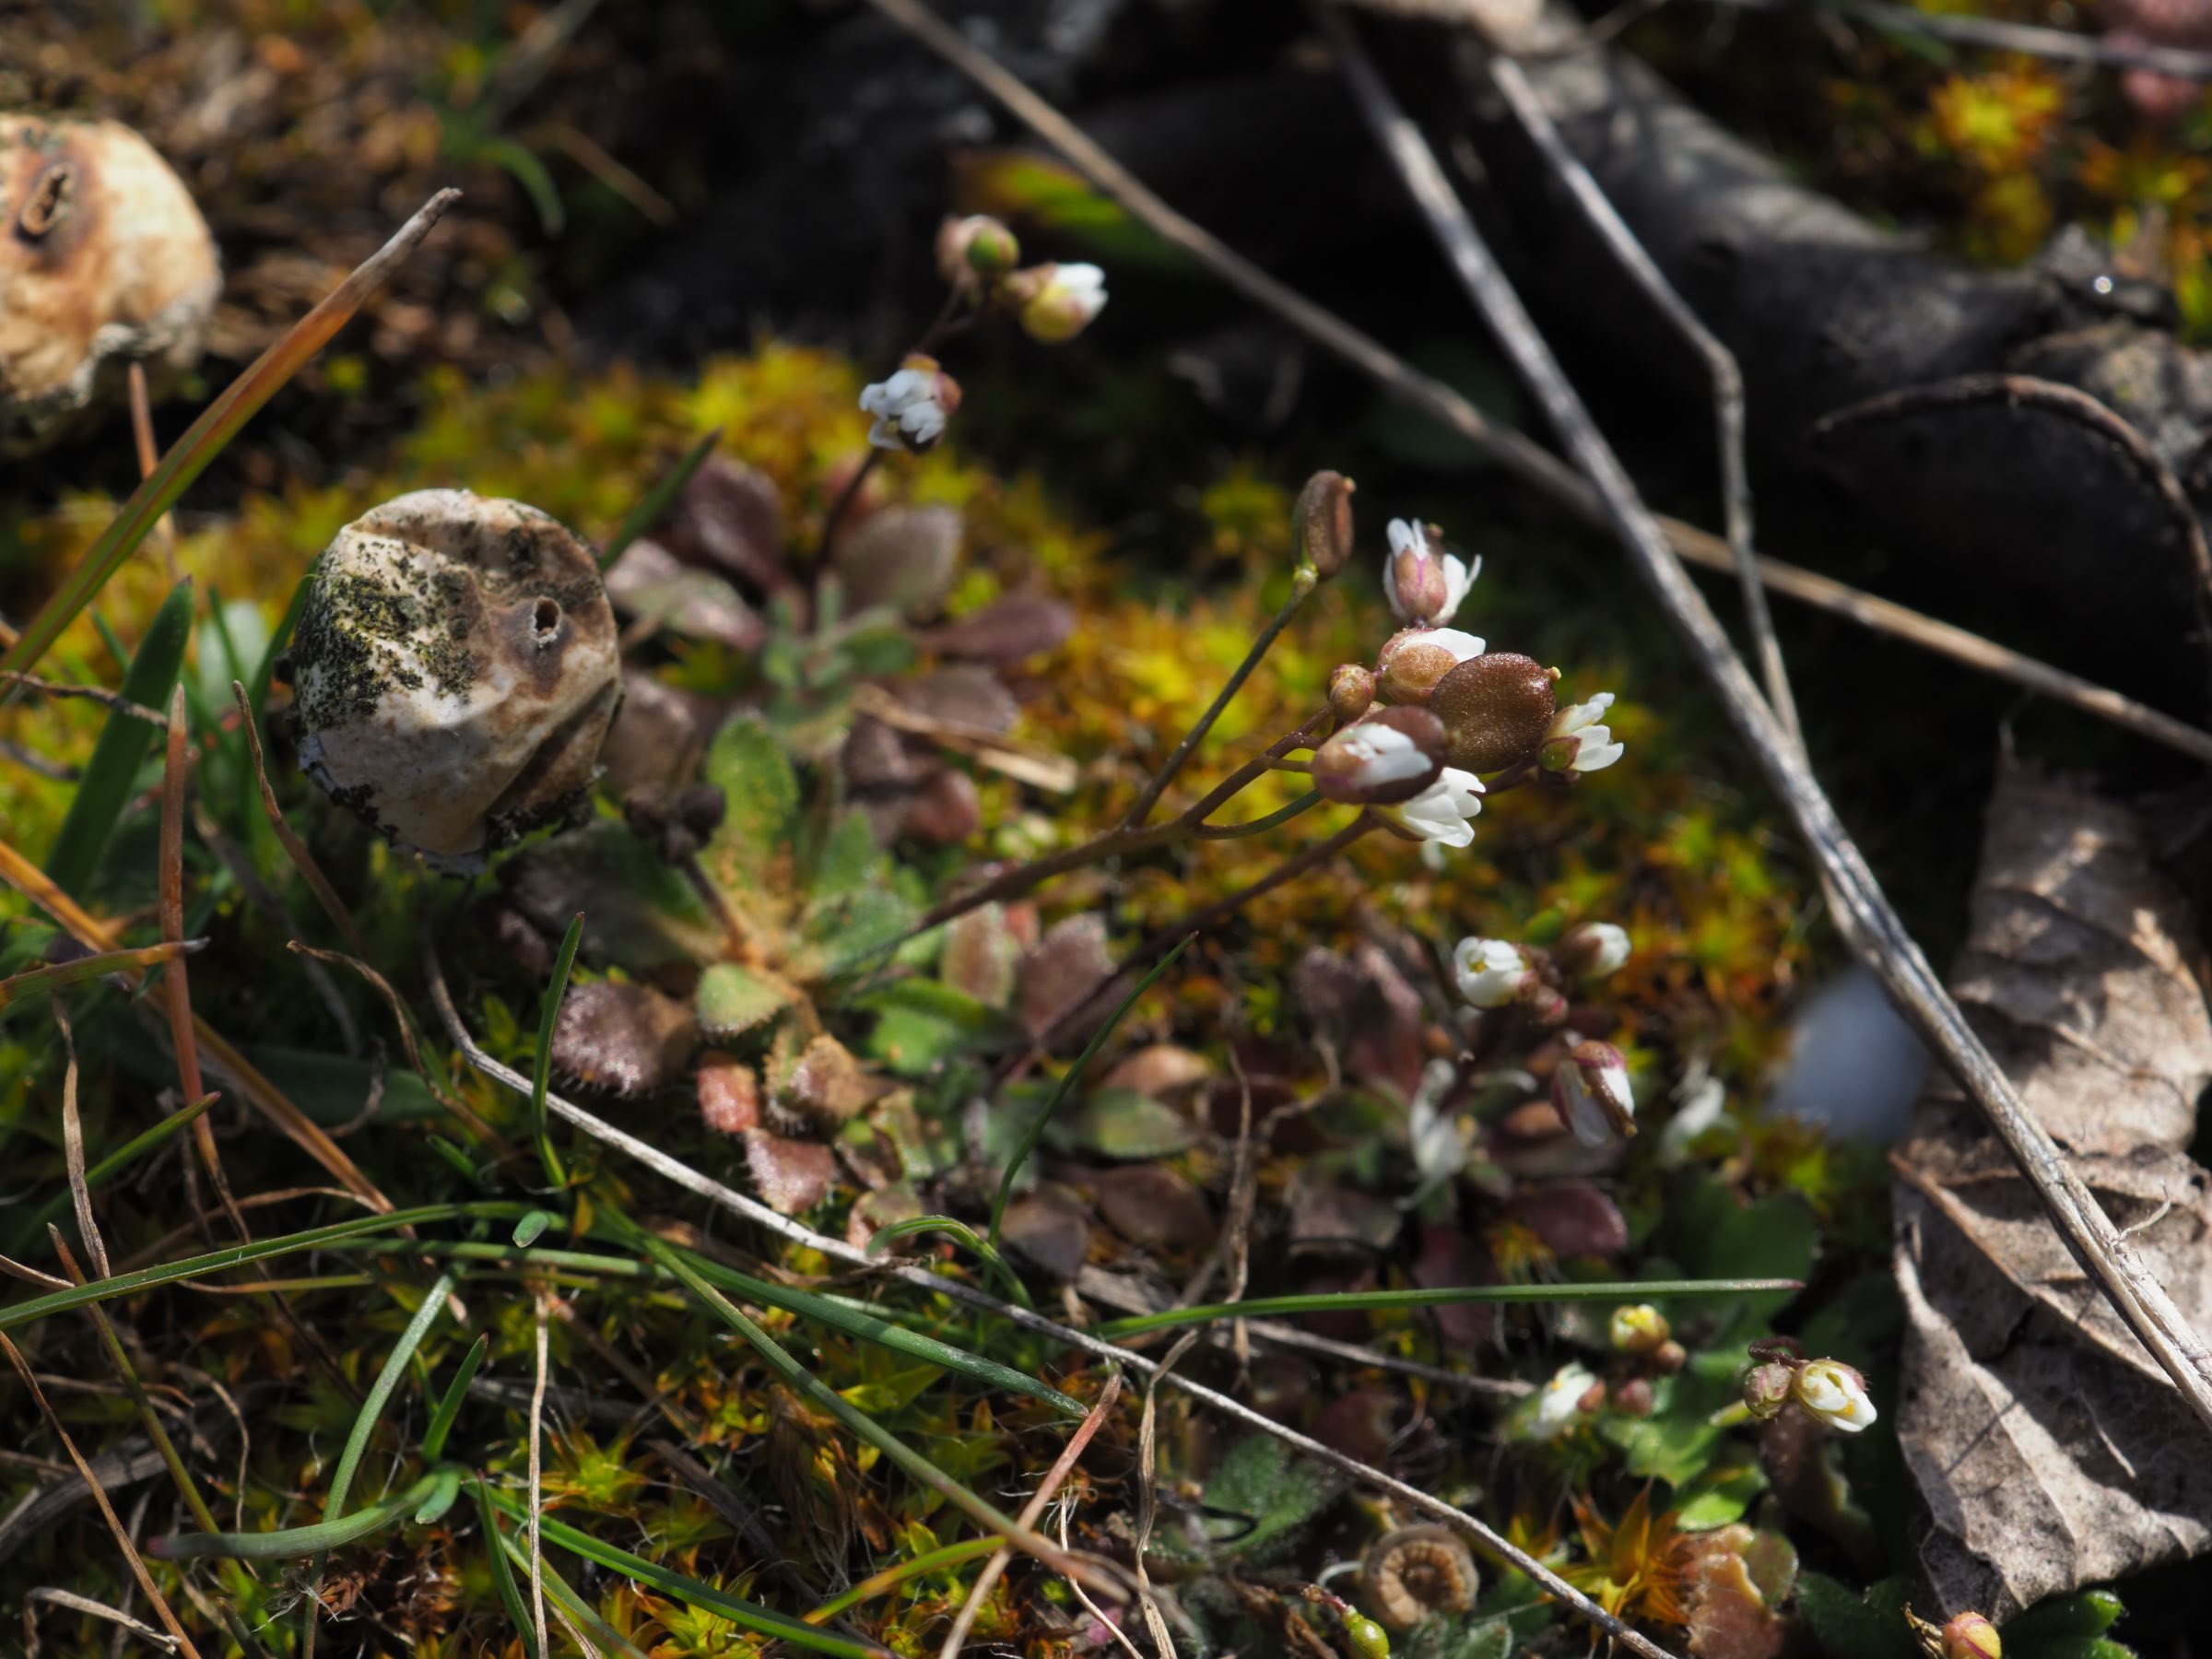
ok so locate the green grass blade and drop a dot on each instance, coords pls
(395, 1365)
(1371, 1301)
(921, 1566)
(502, 1575)
(238, 1255)
(449, 1407)
(805, 1383)
(57, 976)
(207, 437)
(34, 1225)
(446, 1488)
(564, 1596)
(953, 1227)
(105, 788)
(854, 1320)
(566, 960)
(294, 1541)
(1037, 1123)
(654, 501)
(258, 688)
(746, 1614)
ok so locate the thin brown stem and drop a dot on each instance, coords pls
(294, 848)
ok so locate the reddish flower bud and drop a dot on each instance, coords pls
(1324, 523)
(1413, 661)
(1351, 691)
(1970, 1636)
(1392, 755)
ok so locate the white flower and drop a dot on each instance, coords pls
(1439, 1153)
(1560, 1401)
(1598, 948)
(1489, 972)
(1443, 812)
(1577, 742)
(1061, 300)
(1392, 755)
(1591, 1091)
(1423, 585)
(1835, 1393)
(910, 408)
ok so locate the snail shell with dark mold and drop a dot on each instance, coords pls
(454, 670)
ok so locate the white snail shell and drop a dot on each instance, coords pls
(454, 671)
(104, 260)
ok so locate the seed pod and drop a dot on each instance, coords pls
(455, 671)
(1414, 1571)
(1496, 711)
(104, 261)
(1324, 523)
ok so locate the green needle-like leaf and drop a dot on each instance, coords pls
(654, 502)
(1369, 1302)
(104, 789)
(294, 1541)
(449, 1407)
(562, 963)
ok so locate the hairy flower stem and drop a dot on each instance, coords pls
(1301, 589)
(1115, 843)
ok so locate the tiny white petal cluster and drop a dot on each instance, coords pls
(1065, 303)
(1560, 1401)
(1578, 741)
(1407, 572)
(1382, 754)
(1610, 946)
(1488, 971)
(910, 409)
(1443, 812)
(1835, 1394)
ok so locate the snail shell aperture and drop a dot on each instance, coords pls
(454, 671)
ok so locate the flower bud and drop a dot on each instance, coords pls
(1833, 1394)
(1766, 1388)
(1592, 950)
(912, 407)
(1669, 1358)
(1351, 690)
(1392, 755)
(1633, 1397)
(1412, 662)
(1423, 583)
(1577, 742)
(1591, 1091)
(1970, 1636)
(1638, 1329)
(1057, 301)
(1489, 972)
(1496, 711)
(976, 246)
(1324, 523)
(1560, 1400)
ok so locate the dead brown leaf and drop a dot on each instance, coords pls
(2046, 1445)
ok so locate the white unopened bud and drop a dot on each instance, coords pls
(1392, 755)
(1414, 660)
(1593, 950)
(1591, 1091)
(1834, 1393)
(1058, 301)
(1423, 583)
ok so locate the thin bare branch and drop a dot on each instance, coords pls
(1869, 920)
(1512, 85)
(73, 1148)
(112, 701)
(538, 1427)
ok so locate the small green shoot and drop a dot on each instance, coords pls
(655, 502)
(449, 1405)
